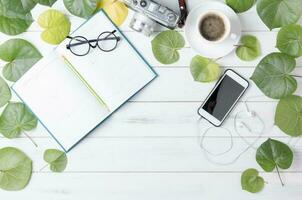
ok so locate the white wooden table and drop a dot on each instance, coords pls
(149, 148)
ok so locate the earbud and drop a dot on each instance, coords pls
(244, 125)
(240, 124)
(251, 114)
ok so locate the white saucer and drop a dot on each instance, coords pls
(212, 50)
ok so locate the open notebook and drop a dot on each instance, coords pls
(71, 95)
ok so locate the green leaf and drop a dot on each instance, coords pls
(15, 169)
(272, 75)
(249, 48)
(279, 13)
(56, 159)
(56, 25)
(46, 2)
(165, 46)
(27, 5)
(204, 69)
(251, 181)
(20, 55)
(16, 118)
(15, 17)
(240, 6)
(288, 116)
(272, 154)
(116, 10)
(81, 8)
(5, 93)
(289, 40)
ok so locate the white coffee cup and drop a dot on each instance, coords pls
(227, 27)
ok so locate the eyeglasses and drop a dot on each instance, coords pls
(80, 46)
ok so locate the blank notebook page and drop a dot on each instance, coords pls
(60, 99)
(116, 81)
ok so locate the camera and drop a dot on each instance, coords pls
(148, 13)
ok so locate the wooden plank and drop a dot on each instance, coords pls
(266, 39)
(143, 44)
(176, 119)
(154, 154)
(150, 186)
(249, 20)
(177, 84)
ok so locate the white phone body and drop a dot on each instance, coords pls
(238, 81)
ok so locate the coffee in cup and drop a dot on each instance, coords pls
(214, 26)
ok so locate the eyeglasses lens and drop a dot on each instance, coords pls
(79, 46)
(107, 41)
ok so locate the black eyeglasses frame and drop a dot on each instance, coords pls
(94, 42)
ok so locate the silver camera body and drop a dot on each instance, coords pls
(148, 13)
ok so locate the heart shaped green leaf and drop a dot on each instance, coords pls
(56, 25)
(56, 159)
(15, 169)
(165, 46)
(288, 116)
(15, 17)
(16, 118)
(251, 181)
(279, 13)
(249, 48)
(5, 93)
(81, 8)
(46, 2)
(20, 55)
(204, 69)
(272, 75)
(240, 6)
(289, 40)
(273, 154)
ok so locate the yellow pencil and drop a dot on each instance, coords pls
(91, 90)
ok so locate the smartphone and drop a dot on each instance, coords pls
(223, 97)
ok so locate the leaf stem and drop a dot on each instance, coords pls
(44, 167)
(297, 76)
(279, 176)
(30, 138)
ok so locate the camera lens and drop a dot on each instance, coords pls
(143, 3)
(142, 24)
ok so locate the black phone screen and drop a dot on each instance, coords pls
(223, 97)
